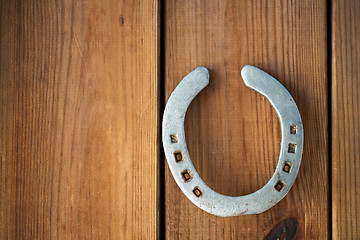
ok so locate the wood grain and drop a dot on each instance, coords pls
(345, 119)
(79, 119)
(233, 134)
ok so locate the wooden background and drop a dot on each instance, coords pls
(83, 87)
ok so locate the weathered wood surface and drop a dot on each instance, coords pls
(346, 119)
(79, 107)
(79, 119)
(233, 133)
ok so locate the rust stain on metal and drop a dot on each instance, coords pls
(197, 191)
(178, 156)
(186, 175)
(286, 229)
(279, 185)
(287, 167)
(174, 138)
(243, 213)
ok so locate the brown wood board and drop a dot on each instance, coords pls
(345, 119)
(232, 132)
(79, 119)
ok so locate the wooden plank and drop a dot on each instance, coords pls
(79, 119)
(233, 134)
(345, 119)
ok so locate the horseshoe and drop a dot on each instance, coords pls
(183, 171)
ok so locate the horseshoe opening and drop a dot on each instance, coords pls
(226, 162)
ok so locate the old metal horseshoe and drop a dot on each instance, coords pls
(189, 181)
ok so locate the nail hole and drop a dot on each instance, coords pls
(279, 186)
(178, 156)
(186, 175)
(197, 192)
(173, 138)
(287, 167)
(292, 148)
(293, 129)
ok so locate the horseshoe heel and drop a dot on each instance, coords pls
(187, 178)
